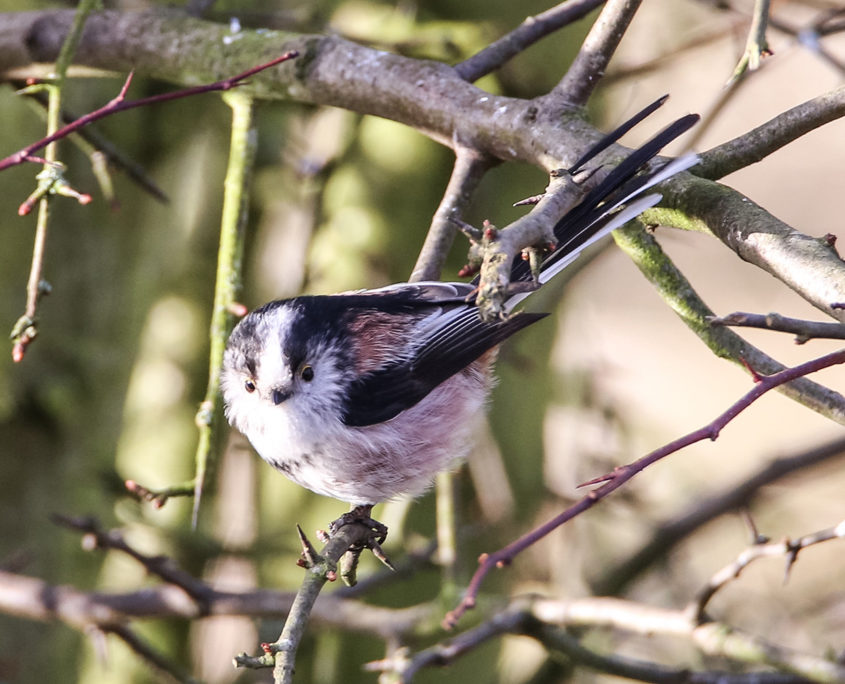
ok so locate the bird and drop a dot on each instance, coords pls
(365, 396)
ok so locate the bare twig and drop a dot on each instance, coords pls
(802, 329)
(50, 182)
(756, 47)
(96, 146)
(787, 548)
(670, 533)
(227, 284)
(94, 537)
(147, 653)
(622, 474)
(120, 104)
(598, 47)
(526, 34)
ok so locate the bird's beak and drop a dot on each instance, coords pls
(280, 394)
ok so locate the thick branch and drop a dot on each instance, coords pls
(809, 266)
(428, 96)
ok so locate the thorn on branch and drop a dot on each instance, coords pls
(237, 309)
(529, 201)
(754, 374)
(158, 497)
(309, 556)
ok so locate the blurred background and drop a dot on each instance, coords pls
(109, 390)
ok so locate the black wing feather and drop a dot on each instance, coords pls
(382, 394)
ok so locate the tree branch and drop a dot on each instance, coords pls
(758, 143)
(667, 535)
(678, 293)
(802, 329)
(787, 548)
(526, 34)
(467, 173)
(432, 98)
(809, 266)
(589, 66)
(622, 474)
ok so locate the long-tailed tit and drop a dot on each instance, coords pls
(365, 396)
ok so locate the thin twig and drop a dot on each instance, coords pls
(50, 182)
(120, 104)
(147, 653)
(227, 284)
(622, 474)
(787, 548)
(526, 34)
(756, 47)
(92, 143)
(668, 534)
(803, 330)
(596, 51)
(160, 566)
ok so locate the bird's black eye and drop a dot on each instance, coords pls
(307, 373)
(249, 386)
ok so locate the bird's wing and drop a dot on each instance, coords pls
(445, 338)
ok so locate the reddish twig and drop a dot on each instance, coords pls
(612, 481)
(120, 104)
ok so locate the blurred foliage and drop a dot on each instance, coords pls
(109, 389)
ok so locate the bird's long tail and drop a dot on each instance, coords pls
(618, 198)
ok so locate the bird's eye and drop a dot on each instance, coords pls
(249, 386)
(307, 373)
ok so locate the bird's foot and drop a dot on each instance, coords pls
(360, 515)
